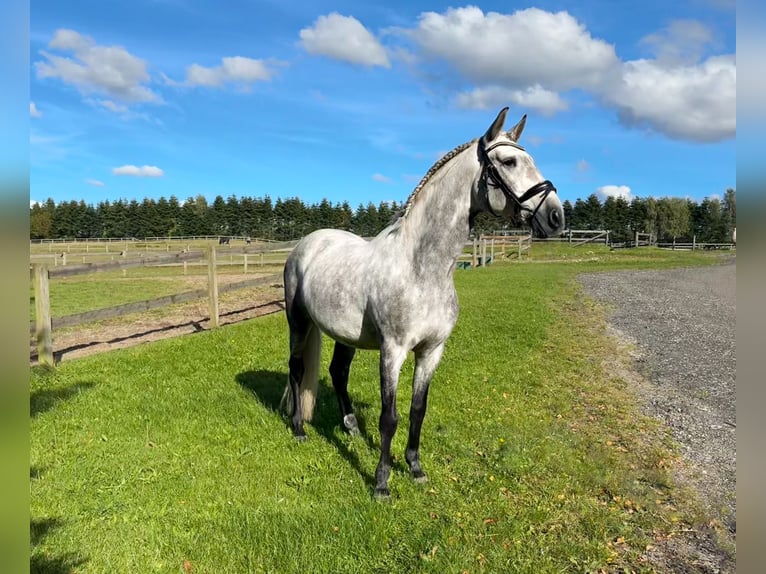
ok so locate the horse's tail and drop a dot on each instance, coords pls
(312, 354)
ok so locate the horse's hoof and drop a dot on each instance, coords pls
(300, 437)
(420, 478)
(382, 494)
(349, 421)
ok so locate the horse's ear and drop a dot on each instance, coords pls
(496, 127)
(515, 132)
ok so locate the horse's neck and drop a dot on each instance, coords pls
(437, 225)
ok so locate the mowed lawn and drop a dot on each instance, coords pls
(173, 457)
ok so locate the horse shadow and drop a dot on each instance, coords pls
(43, 563)
(43, 400)
(268, 386)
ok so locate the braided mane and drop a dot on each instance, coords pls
(429, 174)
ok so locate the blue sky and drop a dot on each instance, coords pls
(356, 100)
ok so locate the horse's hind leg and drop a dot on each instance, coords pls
(339, 368)
(426, 362)
(297, 367)
(305, 343)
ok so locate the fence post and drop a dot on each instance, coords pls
(473, 256)
(43, 330)
(245, 271)
(212, 286)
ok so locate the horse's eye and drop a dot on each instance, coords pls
(510, 162)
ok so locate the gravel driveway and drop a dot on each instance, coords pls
(683, 324)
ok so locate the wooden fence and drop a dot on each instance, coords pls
(44, 325)
(506, 246)
(487, 248)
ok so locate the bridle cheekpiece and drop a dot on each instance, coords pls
(490, 174)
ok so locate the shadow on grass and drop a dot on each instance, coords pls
(42, 563)
(44, 400)
(268, 386)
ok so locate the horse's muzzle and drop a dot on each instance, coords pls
(548, 220)
(556, 217)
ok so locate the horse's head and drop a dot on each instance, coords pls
(511, 186)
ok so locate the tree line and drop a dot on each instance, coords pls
(711, 220)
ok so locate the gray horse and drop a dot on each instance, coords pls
(396, 292)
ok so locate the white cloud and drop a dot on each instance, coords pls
(95, 182)
(121, 110)
(534, 97)
(682, 42)
(112, 107)
(582, 166)
(33, 202)
(381, 178)
(343, 38)
(685, 102)
(519, 50)
(678, 93)
(530, 58)
(33, 111)
(109, 70)
(143, 171)
(235, 69)
(615, 191)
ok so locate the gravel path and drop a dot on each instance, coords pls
(682, 323)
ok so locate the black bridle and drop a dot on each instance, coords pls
(490, 174)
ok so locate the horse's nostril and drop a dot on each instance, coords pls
(554, 218)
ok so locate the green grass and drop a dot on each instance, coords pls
(173, 453)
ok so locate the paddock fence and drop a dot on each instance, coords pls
(44, 325)
(486, 249)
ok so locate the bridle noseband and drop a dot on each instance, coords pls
(489, 172)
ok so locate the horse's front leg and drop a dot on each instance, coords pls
(426, 361)
(339, 368)
(391, 359)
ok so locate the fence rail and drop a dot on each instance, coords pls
(694, 245)
(73, 270)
